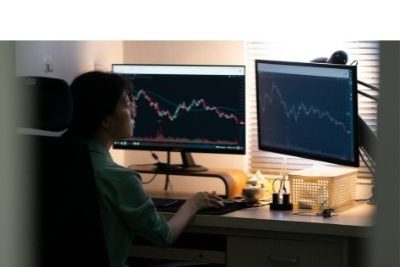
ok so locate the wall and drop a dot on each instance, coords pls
(186, 52)
(66, 59)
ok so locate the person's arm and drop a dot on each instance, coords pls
(183, 216)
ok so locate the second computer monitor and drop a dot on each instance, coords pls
(308, 110)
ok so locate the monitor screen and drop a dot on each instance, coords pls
(308, 110)
(187, 108)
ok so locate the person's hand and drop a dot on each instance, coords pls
(182, 217)
(203, 200)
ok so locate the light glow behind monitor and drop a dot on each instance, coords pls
(187, 108)
(308, 110)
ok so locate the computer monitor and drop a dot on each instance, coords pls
(308, 110)
(187, 108)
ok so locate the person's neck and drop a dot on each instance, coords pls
(104, 139)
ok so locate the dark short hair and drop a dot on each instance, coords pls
(95, 94)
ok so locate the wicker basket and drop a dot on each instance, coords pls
(323, 187)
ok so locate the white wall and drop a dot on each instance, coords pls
(67, 58)
(184, 52)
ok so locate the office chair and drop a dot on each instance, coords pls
(68, 230)
(46, 103)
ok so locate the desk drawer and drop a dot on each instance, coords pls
(274, 252)
(181, 254)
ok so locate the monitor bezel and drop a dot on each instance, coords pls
(312, 156)
(171, 147)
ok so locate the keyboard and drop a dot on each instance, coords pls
(172, 205)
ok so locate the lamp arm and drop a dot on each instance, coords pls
(368, 95)
(368, 85)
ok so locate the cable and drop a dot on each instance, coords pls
(370, 86)
(150, 180)
(283, 174)
(168, 184)
(133, 165)
(354, 63)
(167, 180)
(371, 167)
(154, 155)
(369, 163)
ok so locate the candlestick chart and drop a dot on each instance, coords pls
(190, 109)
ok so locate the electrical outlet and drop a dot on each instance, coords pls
(48, 63)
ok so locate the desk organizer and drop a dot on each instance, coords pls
(322, 187)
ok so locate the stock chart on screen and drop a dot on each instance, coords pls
(190, 110)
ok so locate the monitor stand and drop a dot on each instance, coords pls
(234, 180)
(188, 164)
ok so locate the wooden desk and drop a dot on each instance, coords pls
(260, 237)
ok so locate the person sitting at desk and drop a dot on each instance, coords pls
(104, 111)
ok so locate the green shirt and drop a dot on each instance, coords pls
(126, 209)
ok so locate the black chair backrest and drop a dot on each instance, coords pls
(70, 230)
(47, 102)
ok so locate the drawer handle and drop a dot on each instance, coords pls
(281, 259)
